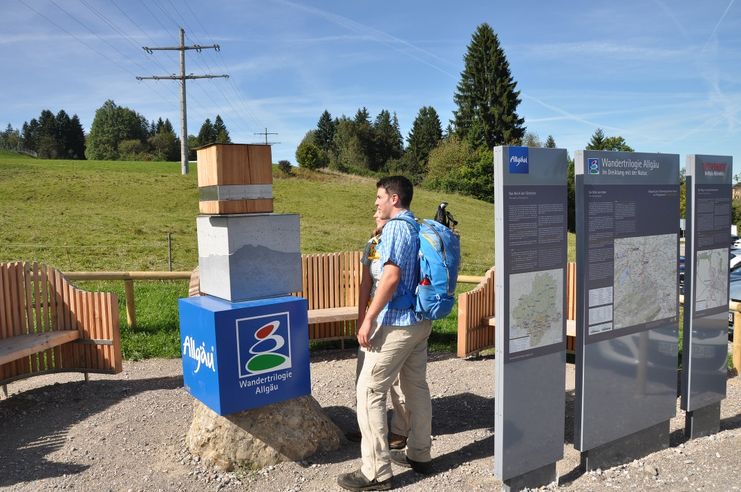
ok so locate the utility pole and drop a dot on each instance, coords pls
(266, 133)
(182, 78)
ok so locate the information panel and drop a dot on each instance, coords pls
(530, 228)
(705, 341)
(627, 232)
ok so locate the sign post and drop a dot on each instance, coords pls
(530, 198)
(627, 249)
(705, 341)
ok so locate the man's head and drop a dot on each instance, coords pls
(394, 195)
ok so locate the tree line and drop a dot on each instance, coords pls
(457, 159)
(117, 133)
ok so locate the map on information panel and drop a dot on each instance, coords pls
(645, 281)
(535, 309)
(711, 279)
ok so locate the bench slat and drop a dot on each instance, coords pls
(327, 315)
(21, 346)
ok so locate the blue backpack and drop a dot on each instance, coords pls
(439, 258)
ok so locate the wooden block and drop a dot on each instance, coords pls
(220, 207)
(235, 179)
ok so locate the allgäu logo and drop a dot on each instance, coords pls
(518, 160)
(263, 344)
(593, 165)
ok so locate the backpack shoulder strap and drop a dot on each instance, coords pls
(406, 300)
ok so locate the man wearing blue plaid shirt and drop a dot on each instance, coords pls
(395, 342)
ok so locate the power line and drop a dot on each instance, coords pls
(235, 88)
(182, 48)
(266, 133)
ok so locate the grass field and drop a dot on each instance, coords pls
(104, 215)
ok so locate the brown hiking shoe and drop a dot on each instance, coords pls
(357, 481)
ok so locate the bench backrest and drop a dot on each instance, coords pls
(35, 298)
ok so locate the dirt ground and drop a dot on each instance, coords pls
(126, 432)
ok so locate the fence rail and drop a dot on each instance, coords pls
(128, 279)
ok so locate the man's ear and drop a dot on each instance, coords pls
(395, 200)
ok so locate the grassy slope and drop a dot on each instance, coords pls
(102, 215)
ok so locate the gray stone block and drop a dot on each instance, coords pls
(250, 256)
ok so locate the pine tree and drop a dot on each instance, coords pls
(326, 129)
(387, 141)
(222, 134)
(597, 142)
(207, 134)
(425, 135)
(75, 139)
(550, 143)
(486, 97)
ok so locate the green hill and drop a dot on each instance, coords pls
(104, 215)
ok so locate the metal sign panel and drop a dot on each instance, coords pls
(627, 236)
(705, 341)
(530, 305)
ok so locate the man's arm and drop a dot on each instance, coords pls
(366, 281)
(384, 292)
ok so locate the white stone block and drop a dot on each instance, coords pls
(249, 256)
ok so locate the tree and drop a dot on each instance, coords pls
(165, 145)
(47, 141)
(112, 125)
(285, 167)
(486, 97)
(325, 131)
(10, 139)
(455, 166)
(531, 140)
(600, 142)
(387, 141)
(550, 143)
(425, 135)
(207, 133)
(349, 150)
(75, 138)
(222, 134)
(310, 156)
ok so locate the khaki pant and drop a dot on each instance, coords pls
(398, 351)
(400, 415)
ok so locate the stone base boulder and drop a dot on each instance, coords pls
(286, 431)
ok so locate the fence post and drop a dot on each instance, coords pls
(169, 250)
(130, 307)
(737, 341)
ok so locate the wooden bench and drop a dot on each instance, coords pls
(477, 320)
(330, 284)
(47, 325)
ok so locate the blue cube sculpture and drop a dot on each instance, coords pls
(244, 355)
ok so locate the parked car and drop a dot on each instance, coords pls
(735, 258)
(734, 293)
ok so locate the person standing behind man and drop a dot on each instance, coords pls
(370, 276)
(399, 349)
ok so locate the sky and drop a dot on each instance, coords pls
(665, 75)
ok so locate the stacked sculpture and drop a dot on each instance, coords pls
(245, 342)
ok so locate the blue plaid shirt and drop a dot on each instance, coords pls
(400, 246)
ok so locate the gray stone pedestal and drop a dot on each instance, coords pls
(288, 431)
(702, 422)
(628, 448)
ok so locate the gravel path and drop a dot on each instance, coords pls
(126, 432)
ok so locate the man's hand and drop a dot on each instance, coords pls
(364, 332)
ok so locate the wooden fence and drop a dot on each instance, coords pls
(476, 314)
